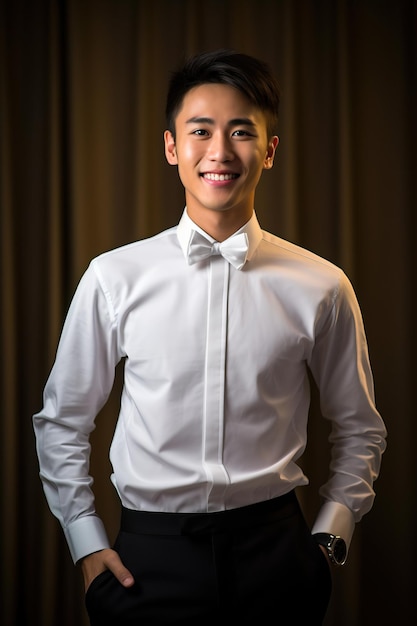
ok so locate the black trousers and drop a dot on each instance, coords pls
(257, 564)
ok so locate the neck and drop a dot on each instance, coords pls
(218, 224)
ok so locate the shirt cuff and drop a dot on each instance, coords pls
(85, 536)
(336, 519)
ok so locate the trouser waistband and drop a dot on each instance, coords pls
(155, 523)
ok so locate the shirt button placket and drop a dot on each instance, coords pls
(215, 381)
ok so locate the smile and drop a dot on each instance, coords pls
(210, 176)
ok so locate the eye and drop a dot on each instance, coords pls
(200, 132)
(242, 133)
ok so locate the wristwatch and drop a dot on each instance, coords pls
(335, 546)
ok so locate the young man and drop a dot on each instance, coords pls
(218, 323)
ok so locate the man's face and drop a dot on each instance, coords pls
(221, 148)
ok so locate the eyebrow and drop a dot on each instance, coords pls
(238, 121)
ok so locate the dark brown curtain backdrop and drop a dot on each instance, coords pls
(82, 170)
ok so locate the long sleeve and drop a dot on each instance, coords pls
(341, 368)
(77, 388)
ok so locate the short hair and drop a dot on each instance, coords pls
(248, 74)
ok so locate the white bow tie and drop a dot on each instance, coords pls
(234, 249)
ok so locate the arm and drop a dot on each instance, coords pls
(341, 368)
(78, 386)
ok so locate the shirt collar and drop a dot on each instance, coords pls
(251, 228)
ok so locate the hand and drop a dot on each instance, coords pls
(98, 562)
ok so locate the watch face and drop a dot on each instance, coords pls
(339, 551)
(335, 546)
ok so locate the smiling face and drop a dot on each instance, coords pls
(220, 147)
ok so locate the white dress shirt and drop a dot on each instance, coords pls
(216, 396)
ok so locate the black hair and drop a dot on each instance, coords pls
(249, 75)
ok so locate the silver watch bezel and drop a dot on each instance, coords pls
(329, 541)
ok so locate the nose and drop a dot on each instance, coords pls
(220, 148)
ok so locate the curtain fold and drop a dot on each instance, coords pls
(82, 170)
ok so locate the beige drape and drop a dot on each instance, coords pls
(82, 170)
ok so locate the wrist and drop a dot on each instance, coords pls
(333, 546)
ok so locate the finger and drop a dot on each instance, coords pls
(123, 575)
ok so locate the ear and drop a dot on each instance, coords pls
(270, 153)
(170, 148)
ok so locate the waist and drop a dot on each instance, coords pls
(260, 513)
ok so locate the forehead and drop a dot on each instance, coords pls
(218, 102)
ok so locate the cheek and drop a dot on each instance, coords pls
(186, 171)
(190, 153)
(188, 157)
(256, 166)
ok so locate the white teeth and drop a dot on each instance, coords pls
(220, 176)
